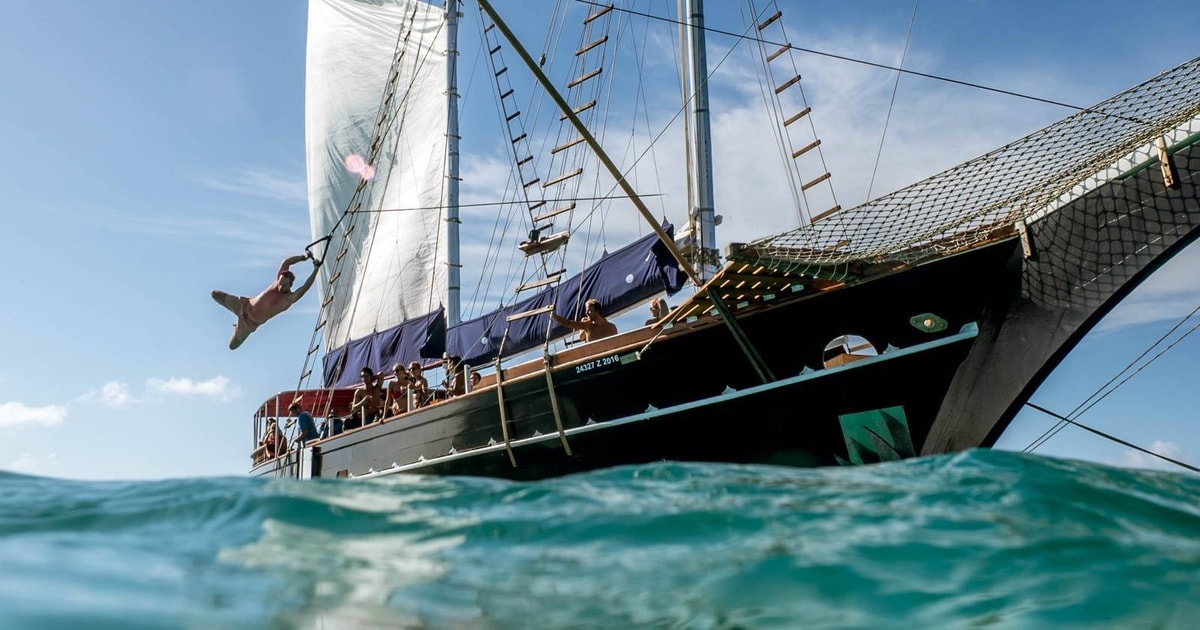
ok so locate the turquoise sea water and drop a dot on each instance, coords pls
(980, 539)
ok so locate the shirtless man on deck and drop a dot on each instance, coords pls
(275, 299)
(593, 326)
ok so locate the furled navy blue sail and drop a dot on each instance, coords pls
(412, 340)
(619, 280)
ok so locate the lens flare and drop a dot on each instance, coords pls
(358, 165)
(354, 163)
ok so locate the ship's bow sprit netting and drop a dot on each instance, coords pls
(984, 198)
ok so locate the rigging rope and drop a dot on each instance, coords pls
(385, 121)
(491, 204)
(666, 126)
(1113, 438)
(1088, 403)
(873, 64)
(892, 103)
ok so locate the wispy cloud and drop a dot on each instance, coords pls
(119, 394)
(1170, 294)
(28, 462)
(284, 187)
(16, 414)
(1135, 459)
(112, 393)
(217, 387)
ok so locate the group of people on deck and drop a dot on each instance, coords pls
(374, 400)
(274, 442)
(408, 390)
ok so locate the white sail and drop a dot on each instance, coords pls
(395, 266)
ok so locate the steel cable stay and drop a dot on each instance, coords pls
(892, 102)
(1108, 388)
(1079, 409)
(881, 66)
(666, 126)
(1113, 438)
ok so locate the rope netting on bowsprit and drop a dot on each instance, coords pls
(988, 197)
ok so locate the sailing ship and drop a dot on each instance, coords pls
(916, 323)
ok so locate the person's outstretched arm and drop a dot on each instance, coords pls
(569, 323)
(288, 262)
(311, 277)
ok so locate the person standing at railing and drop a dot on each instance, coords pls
(308, 426)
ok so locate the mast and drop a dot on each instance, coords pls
(735, 329)
(703, 214)
(453, 263)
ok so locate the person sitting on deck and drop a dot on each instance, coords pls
(367, 405)
(593, 326)
(266, 446)
(281, 445)
(658, 310)
(308, 426)
(475, 379)
(417, 385)
(397, 391)
(275, 299)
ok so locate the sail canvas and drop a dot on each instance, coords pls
(375, 122)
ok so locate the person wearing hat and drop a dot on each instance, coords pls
(308, 427)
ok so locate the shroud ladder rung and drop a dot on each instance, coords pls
(555, 212)
(816, 181)
(562, 178)
(551, 279)
(535, 312)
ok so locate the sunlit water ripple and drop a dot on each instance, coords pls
(980, 539)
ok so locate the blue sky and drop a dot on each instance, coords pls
(155, 151)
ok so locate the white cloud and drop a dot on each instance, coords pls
(15, 414)
(112, 393)
(28, 462)
(1136, 459)
(216, 387)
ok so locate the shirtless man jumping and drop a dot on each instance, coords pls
(275, 299)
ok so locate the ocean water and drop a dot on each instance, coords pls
(980, 539)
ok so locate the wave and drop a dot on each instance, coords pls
(978, 538)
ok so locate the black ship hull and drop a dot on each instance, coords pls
(694, 396)
(1012, 311)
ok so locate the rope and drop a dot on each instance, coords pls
(667, 125)
(892, 103)
(873, 64)
(1081, 409)
(1115, 439)
(382, 125)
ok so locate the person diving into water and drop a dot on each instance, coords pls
(275, 299)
